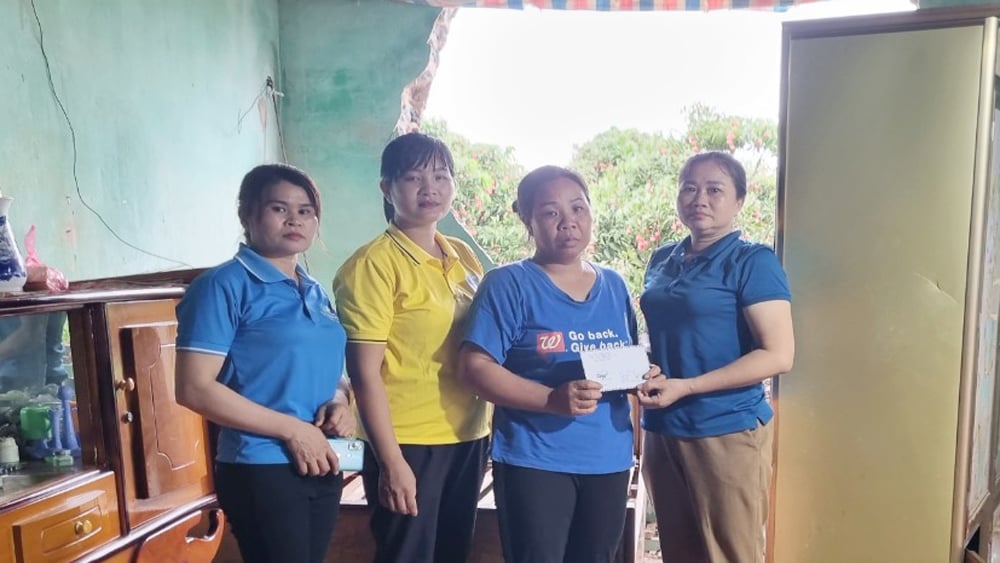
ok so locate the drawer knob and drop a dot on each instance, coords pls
(128, 417)
(127, 384)
(83, 527)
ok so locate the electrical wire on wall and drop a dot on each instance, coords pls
(267, 94)
(260, 94)
(274, 95)
(72, 134)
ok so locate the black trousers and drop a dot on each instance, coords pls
(448, 480)
(277, 515)
(548, 517)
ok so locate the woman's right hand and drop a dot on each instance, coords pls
(335, 418)
(574, 398)
(660, 391)
(310, 451)
(397, 487)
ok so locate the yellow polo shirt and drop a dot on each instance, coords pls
(391, 290)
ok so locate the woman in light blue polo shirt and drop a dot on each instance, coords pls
(260, 352)
(719, 317)
(562, 449)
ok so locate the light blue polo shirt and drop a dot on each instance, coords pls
(694, 312)
(534, 329)
(283, 344)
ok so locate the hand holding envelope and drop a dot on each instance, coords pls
(616, 369)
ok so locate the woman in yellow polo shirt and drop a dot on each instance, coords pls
(402, 298)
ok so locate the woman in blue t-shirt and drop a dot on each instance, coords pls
(260, 352)
(719, 317)
(562, 449)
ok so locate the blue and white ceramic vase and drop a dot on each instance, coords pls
(12, 272)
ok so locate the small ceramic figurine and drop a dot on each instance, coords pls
(70, 442)
(12, 271)
(8, 452)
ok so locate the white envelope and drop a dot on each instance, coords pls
(616, 368)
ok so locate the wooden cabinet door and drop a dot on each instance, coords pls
(165, 455)
(169, 438)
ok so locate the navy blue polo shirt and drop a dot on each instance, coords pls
(282, 342)
(694, 313)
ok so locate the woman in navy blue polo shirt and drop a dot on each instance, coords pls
(260, 351)
(719, 317)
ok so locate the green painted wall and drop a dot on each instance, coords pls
(154, 91)
(344, 65)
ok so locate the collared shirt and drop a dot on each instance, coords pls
(392, 291)
(694, 311)
(283, 344)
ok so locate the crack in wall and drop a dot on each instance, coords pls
(413, 100)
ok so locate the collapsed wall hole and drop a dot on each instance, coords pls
(413, 99)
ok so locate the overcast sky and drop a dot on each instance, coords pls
(543, 81)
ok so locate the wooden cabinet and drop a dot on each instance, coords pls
(164, 447)
(79, 518)
(141, 489)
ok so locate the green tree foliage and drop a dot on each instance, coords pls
(486, 178)
(633, 184)
(631, 176)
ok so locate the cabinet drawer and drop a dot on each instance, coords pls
(63, 527)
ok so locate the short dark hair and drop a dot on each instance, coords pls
(409, 151)
(527, 189)
(726, 161)
(261, 178)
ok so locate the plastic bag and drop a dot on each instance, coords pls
(40, 276)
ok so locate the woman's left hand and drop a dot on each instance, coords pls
(660, 391)
(335, 418)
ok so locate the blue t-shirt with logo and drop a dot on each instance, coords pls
(282, 342)
(694, 312)
(535, 330)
